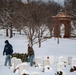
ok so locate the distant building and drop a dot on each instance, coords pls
(62, 25)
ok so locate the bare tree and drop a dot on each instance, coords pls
(9, 12)
(70, 6)
(33, 17)
(38, 16)
(52, 9)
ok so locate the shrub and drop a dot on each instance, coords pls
(23, 57)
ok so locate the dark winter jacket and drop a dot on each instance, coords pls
(30, 51)
(8, 49)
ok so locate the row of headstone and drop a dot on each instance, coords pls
(22, 68)
(15, 62)
(68, 60)
(47, 61)
(44, 62)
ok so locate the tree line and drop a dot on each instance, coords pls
(34, 17)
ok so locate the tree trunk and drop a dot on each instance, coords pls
(39, 39)
(58, 40)
(39, 42)
(30, 37)
(50, 33)
(11, 33)
(20, 32)
(6, 32)
(30, 42)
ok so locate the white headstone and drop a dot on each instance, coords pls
(61, 59)
(17, 62)
(38, 61)
(23, 66)
(46, 62)
(60, 66)
(50, 58)
(65, 61)
(69, 60)
(13, 60)
(73, 63)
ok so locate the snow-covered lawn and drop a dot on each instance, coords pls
(66, 47)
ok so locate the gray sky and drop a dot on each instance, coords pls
(59, 1)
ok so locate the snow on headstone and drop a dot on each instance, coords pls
(50, 58)
(47, 68)
(61, 59)
(38, 61)
(65, 61)
(73, 63)
(69, 60)
(35, 73)
(46, 62)
(13, 60)
(16, 69)
(17, 61)
(23, 66)
(24, 72)
(60, 66)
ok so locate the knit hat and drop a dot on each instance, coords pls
(6, 41)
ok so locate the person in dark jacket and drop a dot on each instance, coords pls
(31, 55)
(8, 50)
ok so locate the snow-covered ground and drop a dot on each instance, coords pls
(66, 47)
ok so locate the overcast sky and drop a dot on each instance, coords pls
(59, 1)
